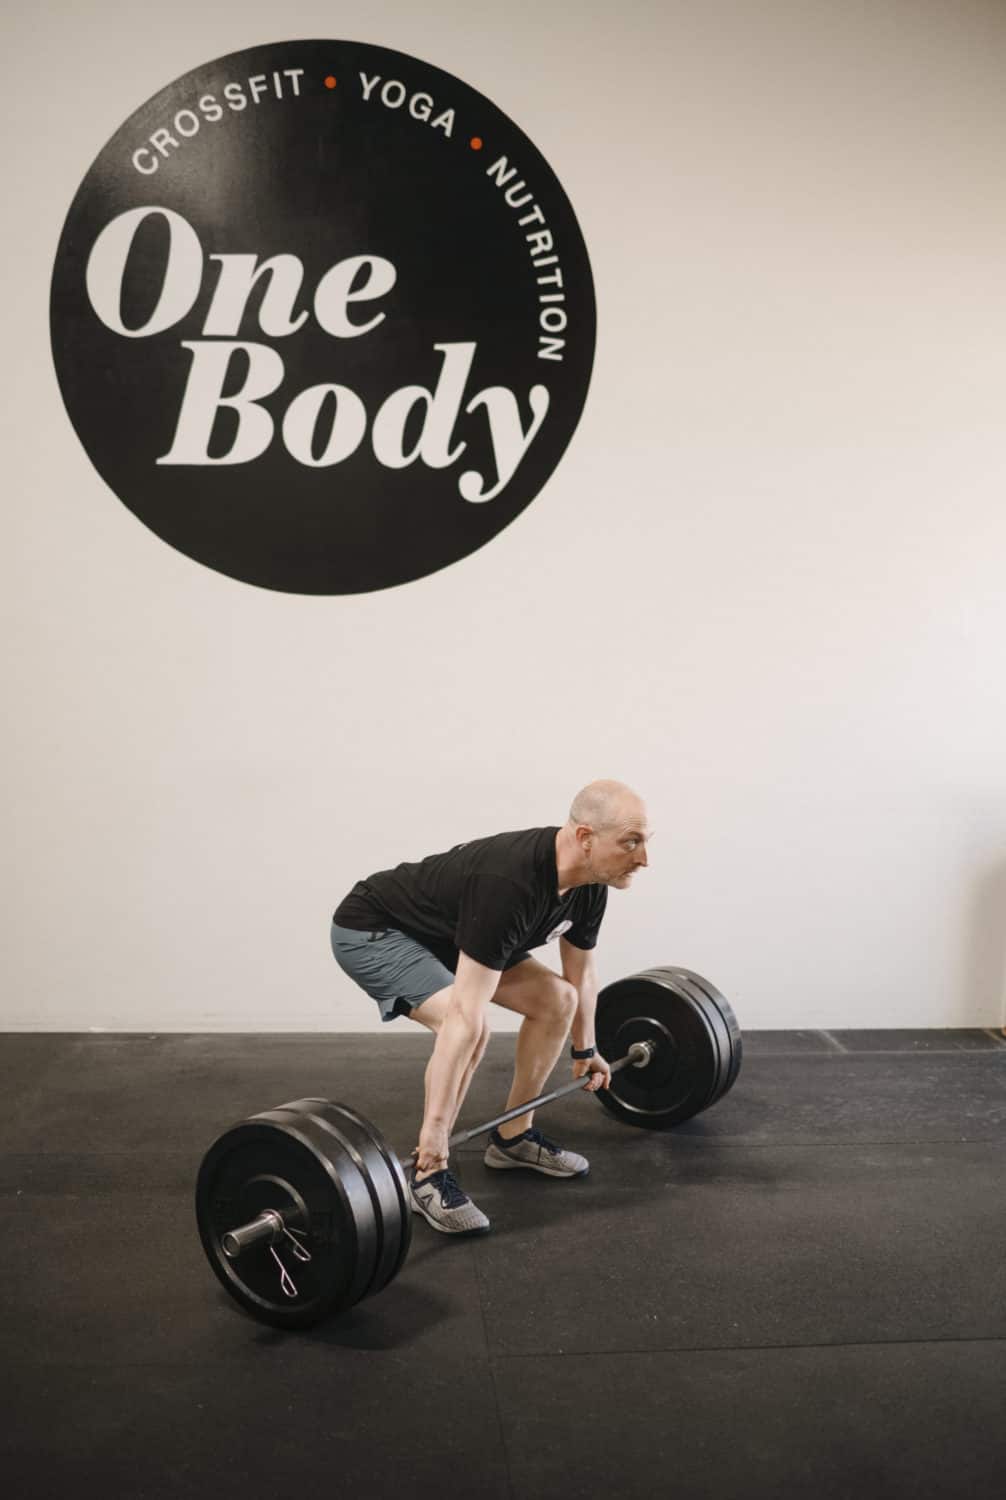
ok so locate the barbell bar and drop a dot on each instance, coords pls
(270, 1225)
(304, 1210)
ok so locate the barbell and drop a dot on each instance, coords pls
(304, 1210)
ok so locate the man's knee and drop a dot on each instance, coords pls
(562, 999)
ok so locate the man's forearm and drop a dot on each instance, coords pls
(582, 1032)
(453, 1050)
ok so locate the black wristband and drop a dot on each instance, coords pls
(581, 1054)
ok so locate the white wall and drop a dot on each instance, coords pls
(765, 584)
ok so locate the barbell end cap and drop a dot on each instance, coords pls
(641, 1052)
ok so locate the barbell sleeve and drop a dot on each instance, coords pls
(269, 1225)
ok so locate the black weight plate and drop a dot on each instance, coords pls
(721, 1017)
(674, 981)
(286, 1161)
(374, 1172)
(682, 1076)
(726, 1011)
(398, 1174)
(353, 1182)
(361, 1140)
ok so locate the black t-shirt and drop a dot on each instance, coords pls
(491, 898)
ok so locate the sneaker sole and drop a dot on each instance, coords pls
(417, 1208)
(504, 1164)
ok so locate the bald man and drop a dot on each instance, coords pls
(439, 939)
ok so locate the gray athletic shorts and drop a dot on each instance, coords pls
(395, 970)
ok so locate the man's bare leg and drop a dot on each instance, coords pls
(466, 1079)
(539, 1043)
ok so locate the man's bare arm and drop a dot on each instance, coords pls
(579, 968)
(473, 988)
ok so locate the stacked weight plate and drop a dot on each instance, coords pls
(344, 1202)
(696, 1046)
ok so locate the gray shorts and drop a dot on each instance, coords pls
(394, 969)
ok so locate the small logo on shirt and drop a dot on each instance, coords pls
(558, 931)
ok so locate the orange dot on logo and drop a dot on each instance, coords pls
(330, 82)
(476, 143)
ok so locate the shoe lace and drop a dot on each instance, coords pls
(538, 1139)
(451, 1195)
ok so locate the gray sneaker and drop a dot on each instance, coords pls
(533, 1150)
(442, 1203)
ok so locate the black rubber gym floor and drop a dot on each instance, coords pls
(802, 1291)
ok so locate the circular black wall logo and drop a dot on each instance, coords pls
(322, 317)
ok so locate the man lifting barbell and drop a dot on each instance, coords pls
(436, 940)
